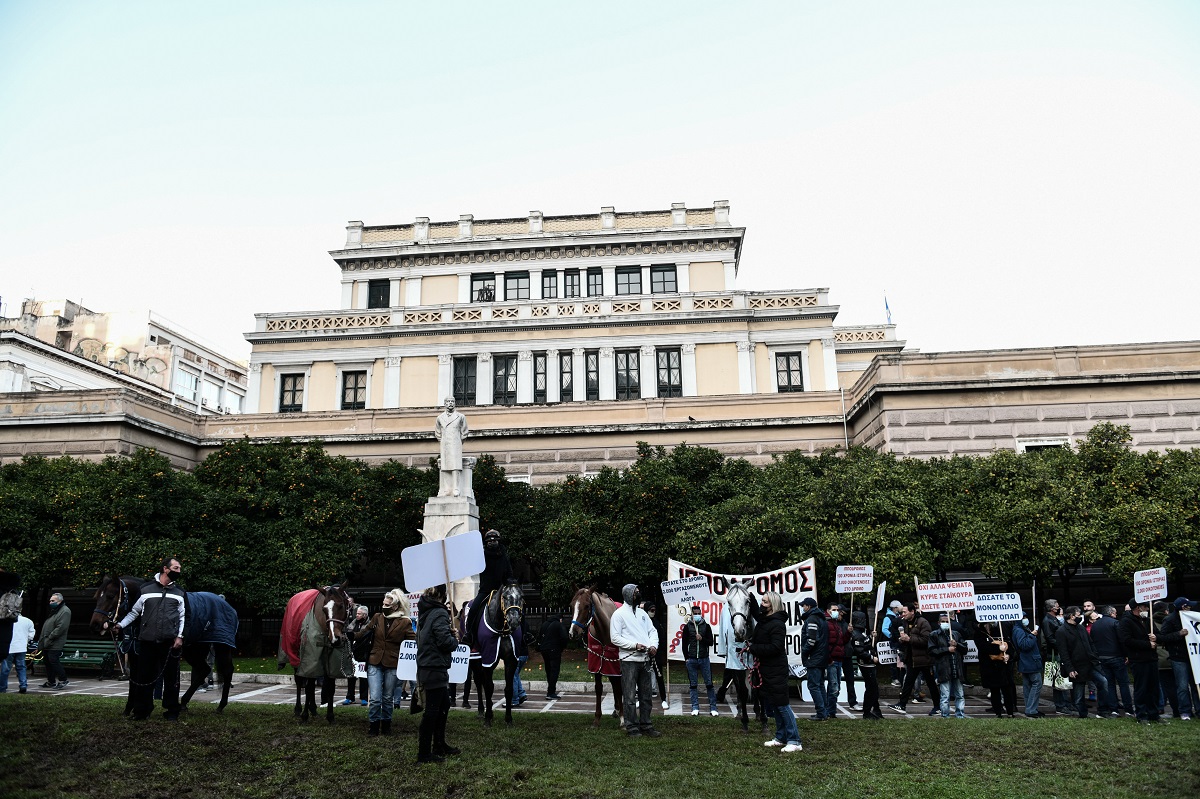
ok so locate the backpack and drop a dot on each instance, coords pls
(10, 605)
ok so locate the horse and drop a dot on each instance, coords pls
(499, 637)
(209, 621)
(591, 614)
(312, 640)
(737, 625)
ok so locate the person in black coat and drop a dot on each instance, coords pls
(497, 571)
(553, 641)
(1140, 647)
(769, 647)
(435, 644)
(1078, 659)
(996, 668)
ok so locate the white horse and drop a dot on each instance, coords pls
(737, 625)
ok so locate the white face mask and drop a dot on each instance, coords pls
(1145, 614)
(833, 614)
(945, 625)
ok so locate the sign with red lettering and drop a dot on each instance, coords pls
(1149, 585)
(854, 579)
(946, 596)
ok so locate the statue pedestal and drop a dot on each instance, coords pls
(447, 516)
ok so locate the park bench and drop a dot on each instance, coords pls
(86, 654)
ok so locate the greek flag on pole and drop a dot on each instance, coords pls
(886, 308)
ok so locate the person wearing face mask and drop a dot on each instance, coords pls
(996, 667)
(1140, 647)
(768, 644)
(387, 631)
(1029, 663)
(1079, 660)
(1047, 639)
(868, 661)
(947, 648)
(1174, 636)
(162, 610)
(697, 639)
(814, 653)
(52, 640)
(1112, 664)
(634, 635)
(839, 636)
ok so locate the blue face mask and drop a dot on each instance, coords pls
(697, 618)
(1024, 622)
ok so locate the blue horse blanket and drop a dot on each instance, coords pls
(210, 620)
(489, 642)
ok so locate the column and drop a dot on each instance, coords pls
(391, 382)
(483, 379)
(253, 388)
(646, 278)
(553, 381)
(683, 280)
(610, 281)
(445, 378)
(688, 353)
(394, 293)
(745, 368)
(608, 374)
(649, 370)
(535, 284)
(579, 380)
(464, 289)
(362, 292)
(829, 351)
(412, 285)
(347, 294)
(524, 376)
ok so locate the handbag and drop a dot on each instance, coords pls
(1052, 675)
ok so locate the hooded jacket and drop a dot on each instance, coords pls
(1029, 654)
(814, 639)
(696, 649)
(630, 626)
(435, 644)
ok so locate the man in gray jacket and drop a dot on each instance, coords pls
(52, 641)
(160, 642)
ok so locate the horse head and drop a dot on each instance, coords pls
(512, 605)
(338, 606)
(737, 605)
(581, 613)
(106, 603)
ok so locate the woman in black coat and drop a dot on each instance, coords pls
(996, 668)
(769, 647)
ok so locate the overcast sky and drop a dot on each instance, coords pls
(1010, 174)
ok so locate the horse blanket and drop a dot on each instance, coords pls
(489, 642)
(298, 607)
(604, 659)
(210, 620)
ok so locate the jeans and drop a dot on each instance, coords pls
(833, 685)
(785, 723)
(1186, 697)
(1117, 676)
(381, 682)
(945, 690)
(635, 685)
(518, 687)
(1079, 693)
(1145, 689)
(1032, 690)
(700, 667)
(18, 659)
(816, 687)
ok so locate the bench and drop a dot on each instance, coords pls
(88, 654)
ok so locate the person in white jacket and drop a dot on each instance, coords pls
(22, 635)
(635, 635)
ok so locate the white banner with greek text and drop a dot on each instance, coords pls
(934, 597)
(1149, 585)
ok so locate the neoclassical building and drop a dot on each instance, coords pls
(544, 310)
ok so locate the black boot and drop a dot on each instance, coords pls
(385, 727)
(373, 729)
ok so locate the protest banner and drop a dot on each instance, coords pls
(406, 662)
(443, 561)
(793, 583)
(879, 597)
(1191, 623)
(685, 590)
(887, 654)
(1149, 585)
(854, 579)
(998, 607)
(934, 597)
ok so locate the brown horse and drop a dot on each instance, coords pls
(591, 614)
(312, 640)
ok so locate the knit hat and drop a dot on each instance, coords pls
(808, 602)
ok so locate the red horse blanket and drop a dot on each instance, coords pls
(603, 659)
(289, 633)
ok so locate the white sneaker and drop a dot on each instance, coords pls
(791, 748)
(695, 712)
(773, 742)
(713, 713)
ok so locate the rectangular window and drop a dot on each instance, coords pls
(233, 402)
(210, 393)
(379, 294)
(629, 384)
(539, 377)
(549, 285)
(662, 279)
(571, 283)
(591, 368)
(516, 286)
(788, 376)
(187, 384)
(464, 380)
(566, 377)
(354, 391)
(595, 282)
(291, 393)
(504, 386)
(483, 288)
(670, 373)
(629, 280)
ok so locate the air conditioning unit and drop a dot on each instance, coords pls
(204, 400)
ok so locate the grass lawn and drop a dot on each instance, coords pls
(82, 747)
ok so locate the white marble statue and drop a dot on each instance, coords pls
(450, 429)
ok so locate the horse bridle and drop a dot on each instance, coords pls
(504, 609)
(116, 606)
